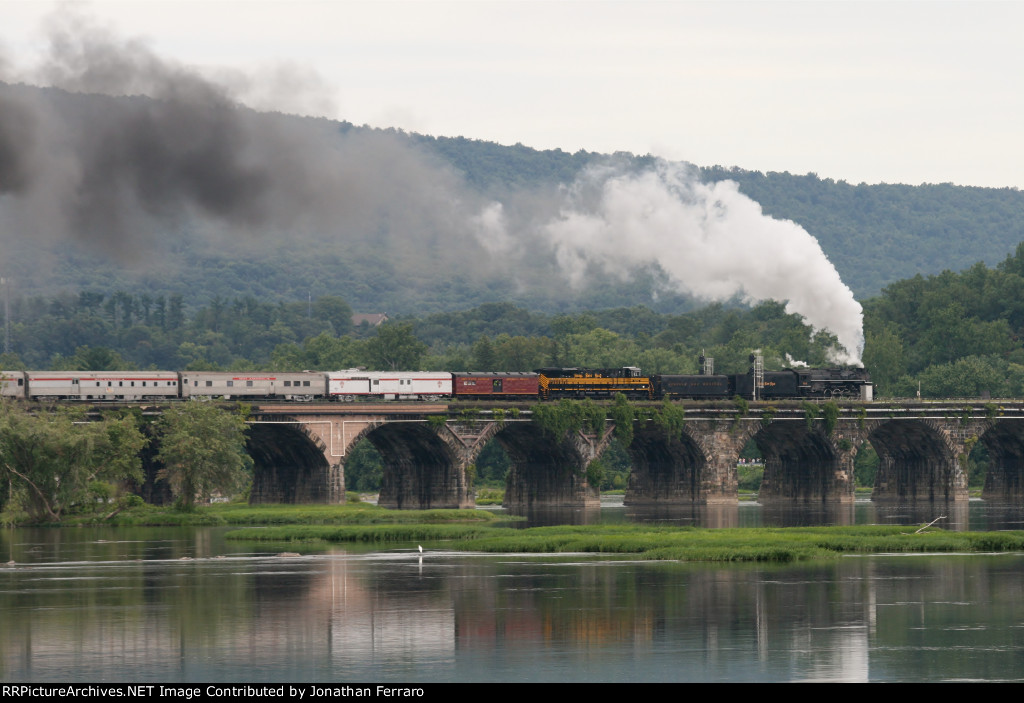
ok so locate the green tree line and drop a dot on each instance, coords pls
(58, 462)
(951, 334)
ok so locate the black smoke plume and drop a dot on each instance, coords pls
(124, 146)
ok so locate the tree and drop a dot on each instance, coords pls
(520, 353)
(202, 449)
(336, 311)
(320, 353)
(364, 468)
(176, 313)
(968, 377)
(395, 347)
(883, 355)
(484, 358)
(600, 348)
(97, 359)
(12, 362)
(49, 459)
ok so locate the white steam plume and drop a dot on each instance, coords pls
(712, 241)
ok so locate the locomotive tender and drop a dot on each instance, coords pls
(356, 384)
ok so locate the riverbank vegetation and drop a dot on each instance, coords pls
(202, 451)
(53, 462)
(139, 514)
(657, 542)
(61, 463)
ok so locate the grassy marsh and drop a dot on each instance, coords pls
(671, 543)
(483, 531)
(296, 515)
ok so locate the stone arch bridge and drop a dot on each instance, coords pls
(429, 451)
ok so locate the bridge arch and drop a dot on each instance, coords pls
(421, 469)
(802, 464)
(289, 464)
(666, 469)
(918, 460)
(1004, 480)
(546, 472)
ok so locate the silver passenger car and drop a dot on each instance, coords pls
(270, 385)
(101, 385)
(12, 384)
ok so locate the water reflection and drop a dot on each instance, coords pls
(685, 515)
(955, 516)
(185, 605)
(544, 516)
(948, 516)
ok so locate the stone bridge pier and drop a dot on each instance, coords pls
(432, 464)
(698, 467)
(804, 464)
(922, 458)
(547, 472)
(301, 457)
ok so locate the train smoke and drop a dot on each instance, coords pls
(712, 242)
(124, 147)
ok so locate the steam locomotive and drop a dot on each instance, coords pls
(356, 384)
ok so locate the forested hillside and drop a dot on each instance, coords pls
(396, 245)
(878, 234)
(874, 234)
(953, 335)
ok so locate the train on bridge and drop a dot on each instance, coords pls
(356, 384)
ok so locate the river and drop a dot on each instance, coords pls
(185, 605)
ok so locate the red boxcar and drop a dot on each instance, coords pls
(495, 384)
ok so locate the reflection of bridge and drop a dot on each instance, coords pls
(429, 449)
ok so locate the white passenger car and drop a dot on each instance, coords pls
(389, 385)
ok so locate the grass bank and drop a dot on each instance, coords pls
(296, 515)
(646, 542)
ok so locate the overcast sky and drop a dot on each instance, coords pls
(897, 92)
